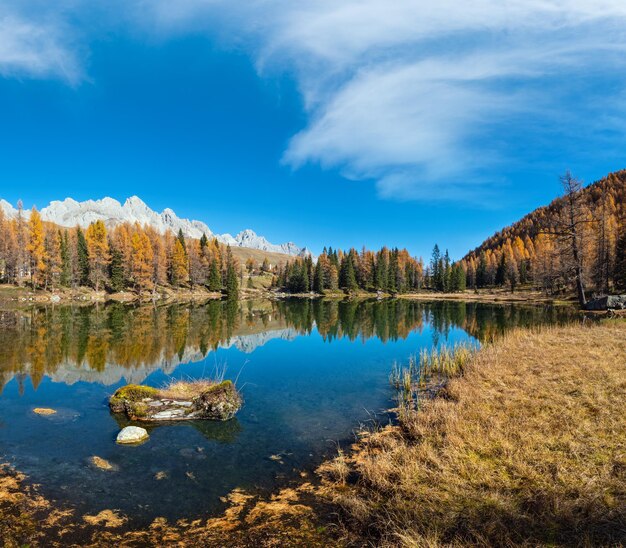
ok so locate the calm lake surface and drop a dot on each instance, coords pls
(310, 371)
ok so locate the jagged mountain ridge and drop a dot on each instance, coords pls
(70, 213)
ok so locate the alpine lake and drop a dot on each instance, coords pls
(310, 372)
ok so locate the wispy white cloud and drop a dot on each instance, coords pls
(428, 99)
(36, 49)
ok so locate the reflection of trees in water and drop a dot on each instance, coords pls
(394, 319)
(38, 340)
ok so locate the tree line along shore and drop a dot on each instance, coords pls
(130, 257)
(574, 246)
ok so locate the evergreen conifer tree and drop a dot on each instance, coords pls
(305, 277)
(435, 269)
(116, 270)
(204, 242)
(181, 238)
(347, 276)
(380, 276)
(215, 276)
(457, 278)
(82, 255)
(447, 273)
(52, 258)
(392, 277)
(66, 260)
(440, 283)
(310, 272)
(318, 280)
(232, 280)
(501, 271)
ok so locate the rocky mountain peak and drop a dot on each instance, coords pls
(70, 213)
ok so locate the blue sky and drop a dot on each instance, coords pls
(349, 124)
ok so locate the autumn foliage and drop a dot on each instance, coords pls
(128, 257)
(532, 251)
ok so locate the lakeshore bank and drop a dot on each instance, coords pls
(527, 447)
(11, 294)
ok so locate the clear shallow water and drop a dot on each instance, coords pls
(310, 372)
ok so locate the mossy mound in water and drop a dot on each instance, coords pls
(179, 401)
(219, 402)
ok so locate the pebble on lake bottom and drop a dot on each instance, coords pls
(101, 463)
(44, 411)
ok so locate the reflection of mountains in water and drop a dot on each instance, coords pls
(106, 344)
(69, 373)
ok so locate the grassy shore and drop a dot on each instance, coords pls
(11, 294)
(526, 446)
(493, 295)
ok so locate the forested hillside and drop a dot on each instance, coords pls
(537, 249)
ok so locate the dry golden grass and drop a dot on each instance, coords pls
(185, 390)
(528, 447)
(521, 295)
(242, 254)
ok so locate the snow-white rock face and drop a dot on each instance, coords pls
(70, 213)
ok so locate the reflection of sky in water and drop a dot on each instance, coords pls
(302, 395)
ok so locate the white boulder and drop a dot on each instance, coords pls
(132, 434)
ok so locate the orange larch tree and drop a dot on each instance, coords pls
(36, 248)
(98, 250)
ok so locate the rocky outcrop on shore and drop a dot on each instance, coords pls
(609, 302)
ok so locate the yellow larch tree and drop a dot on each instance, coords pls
(98, 250)
(142, 257)
(36, 248)
(180, 270)
(121, 239)
(53, 258)
(159, 260)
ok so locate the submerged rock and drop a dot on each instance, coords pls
(101, 463)
(180, 401)
(132, 434)
(44, 411)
